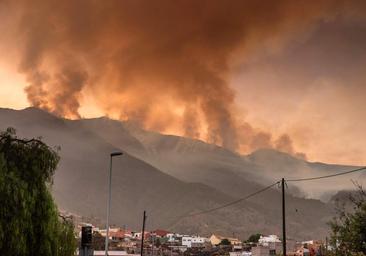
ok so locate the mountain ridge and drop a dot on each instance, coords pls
(169, 176)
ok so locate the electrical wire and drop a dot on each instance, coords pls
(268, 187)
(231, 203)
(327, 176)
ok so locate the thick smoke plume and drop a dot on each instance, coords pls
(162, 64)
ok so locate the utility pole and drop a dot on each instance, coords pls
(143, 233)
(283, 217)
(109, 200)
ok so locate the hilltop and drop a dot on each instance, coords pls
(171, 176)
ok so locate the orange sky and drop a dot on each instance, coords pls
(302, 76)
(12, 93)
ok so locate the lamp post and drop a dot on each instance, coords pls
(109, 199)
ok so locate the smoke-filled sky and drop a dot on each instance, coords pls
(247, 74)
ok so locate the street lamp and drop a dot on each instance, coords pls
(109, 200)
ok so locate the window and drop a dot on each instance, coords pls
(272, 252)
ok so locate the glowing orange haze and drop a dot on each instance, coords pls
(230, 73)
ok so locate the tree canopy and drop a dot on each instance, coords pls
(349, 227)
(225, 242)
(254, 238)
(29, 219)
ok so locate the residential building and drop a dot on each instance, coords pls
(240, 253)
(263, 251)
(216, 240)
(193, 241)
(267, 240)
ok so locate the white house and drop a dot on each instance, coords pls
(268, 240)
(239, 253)
(193, 241)
(268, 245)
(187, 241)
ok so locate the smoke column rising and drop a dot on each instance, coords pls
(160, 63)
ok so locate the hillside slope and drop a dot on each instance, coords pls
(276, 165)
(169, 176)
(80, 183)
(195, 161)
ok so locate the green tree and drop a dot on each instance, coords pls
(254, 238)
(225, 242)
(29, 220)
(349, 227)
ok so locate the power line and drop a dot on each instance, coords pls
(328, 176)
(266, 188)
(231, 203)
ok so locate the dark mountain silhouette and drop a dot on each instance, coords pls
(170, 176)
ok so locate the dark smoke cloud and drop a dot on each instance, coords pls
(149, 60)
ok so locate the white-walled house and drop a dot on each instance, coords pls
(268, 245)
(193, 241)
(267, 240)
(240, 253)
(187, 241)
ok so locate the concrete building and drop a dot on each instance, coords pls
(262, 251)
(193, 241)
(240, 253)
(267, 240)
(268, 245)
